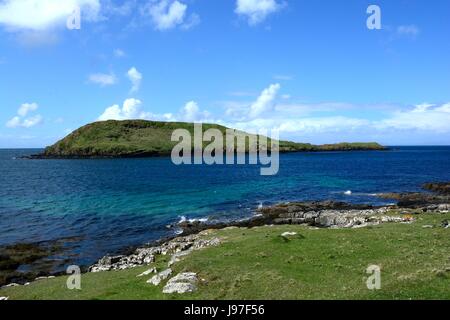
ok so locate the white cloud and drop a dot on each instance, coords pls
(256, 11)
(31, 122)
(409, 30)
(301, 126)
(25, 108)
(103, 79)
(135, 77)
(131, 109)
(265, 101)
(191, 113)
(424, 117)
(166, 14)
(444, 108)
(39, 15)
(14, 122)
(23, 111)
(336, 122)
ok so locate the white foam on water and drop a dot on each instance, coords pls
(184, 219)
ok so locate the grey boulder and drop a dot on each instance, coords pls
(182, 283)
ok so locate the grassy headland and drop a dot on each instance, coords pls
(318, 264)
(140, 138)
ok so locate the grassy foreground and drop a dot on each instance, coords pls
(320, 264)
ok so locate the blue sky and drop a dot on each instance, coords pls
(311, 69)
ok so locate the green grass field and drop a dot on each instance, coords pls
(321, 264)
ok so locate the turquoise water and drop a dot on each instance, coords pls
(103, 206)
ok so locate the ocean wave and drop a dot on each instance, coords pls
(351, 193)
(185, 219)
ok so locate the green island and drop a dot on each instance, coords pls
(258, 263)
(141, 138)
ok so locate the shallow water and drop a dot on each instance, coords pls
(107, 205)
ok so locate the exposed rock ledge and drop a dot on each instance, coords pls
(177, 248)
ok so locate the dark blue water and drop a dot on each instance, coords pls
(106, 205)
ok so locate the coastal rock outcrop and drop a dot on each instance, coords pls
(177, 247)
(427, 201)
(149, 271)
(325, 214)
(182, 283)
(157, 279)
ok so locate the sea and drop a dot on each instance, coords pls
(91, 208)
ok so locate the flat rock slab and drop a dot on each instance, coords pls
(146, 273)
(163, 275)
(182, 283)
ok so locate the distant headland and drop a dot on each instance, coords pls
(142, 138)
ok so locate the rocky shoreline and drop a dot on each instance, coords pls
(316, 214)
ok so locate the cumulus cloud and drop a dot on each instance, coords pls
(257, 11)
(21, 121)
(131, 109)
(103, 79)
(303, 126)
(330, 122)
(169, 14)
(14, 122)
(423, 117)
(265, 101)
(136, 78)
(25, 108)
(32, 121)
(191, 113)
(39, 15)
